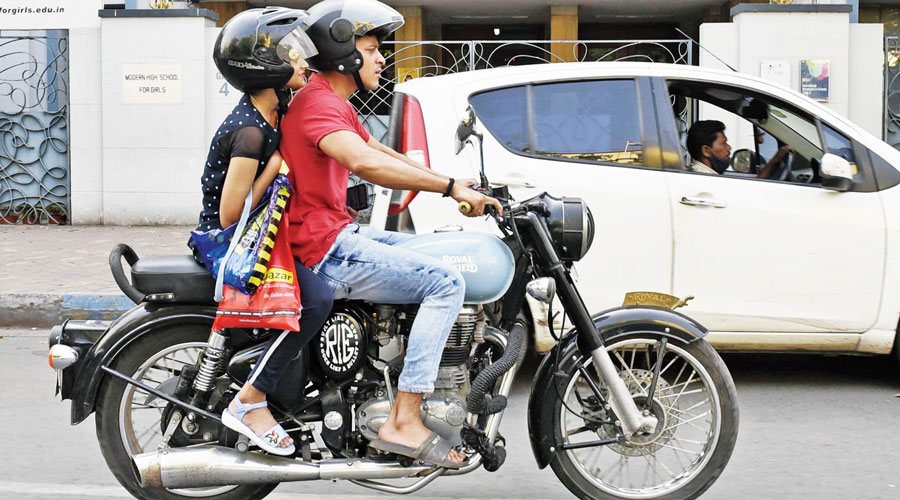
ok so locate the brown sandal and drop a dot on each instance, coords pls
(432, 451)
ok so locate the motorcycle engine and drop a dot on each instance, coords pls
(444, 410)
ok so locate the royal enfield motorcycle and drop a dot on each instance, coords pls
(631, 403)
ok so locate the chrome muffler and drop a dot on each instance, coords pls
(220, 466)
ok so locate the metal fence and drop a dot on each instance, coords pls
(892, 91)
(416, 59)
(34, 127)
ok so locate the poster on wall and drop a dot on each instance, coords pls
(814, 76)
(776, 72)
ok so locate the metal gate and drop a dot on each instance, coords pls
(34, 127)
(892, 91)
(414, 59)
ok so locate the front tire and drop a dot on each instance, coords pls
(123, 431)
(695, 401)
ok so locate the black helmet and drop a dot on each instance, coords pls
(334, 26)
(255, 48)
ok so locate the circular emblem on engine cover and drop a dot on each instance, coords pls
(341, 346)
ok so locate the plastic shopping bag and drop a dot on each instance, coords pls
(245, 259)
(276, 303)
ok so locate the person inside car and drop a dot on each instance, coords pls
(244, 153)
(759, 136)
(324, 142)
(709, 148)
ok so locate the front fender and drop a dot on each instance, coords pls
(140, 320)
(611, 324)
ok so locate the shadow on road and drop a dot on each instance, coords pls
(813, 369)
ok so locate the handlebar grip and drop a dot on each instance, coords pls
(464, 207)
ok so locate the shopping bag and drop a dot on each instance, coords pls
(276, 303)
(240, 262)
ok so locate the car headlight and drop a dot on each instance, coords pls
(571, 226)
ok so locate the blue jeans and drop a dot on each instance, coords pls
(363, 264)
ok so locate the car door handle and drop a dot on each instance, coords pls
(697, 201)
(513, 182)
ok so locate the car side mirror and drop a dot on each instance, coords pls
(742, 161)
(836, 172)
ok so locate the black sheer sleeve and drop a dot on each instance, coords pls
(248, 142)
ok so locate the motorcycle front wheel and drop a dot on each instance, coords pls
(129, 420)
(695, 403)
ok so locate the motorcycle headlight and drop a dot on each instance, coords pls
(571, 226)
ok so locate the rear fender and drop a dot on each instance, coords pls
(137, 322)
(612, 324)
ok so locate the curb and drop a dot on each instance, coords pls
(47, 309)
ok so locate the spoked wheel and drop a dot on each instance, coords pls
(694, 401)
(131, 421)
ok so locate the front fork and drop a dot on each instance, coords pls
(620, 399)
(631, 418)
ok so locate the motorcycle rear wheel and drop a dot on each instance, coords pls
(696, 403)
(147, 360)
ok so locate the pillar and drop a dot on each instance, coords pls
(408, 58)
(563, 26)
(225, 10)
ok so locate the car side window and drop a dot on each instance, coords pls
(837, 144)
(594, 120)
(505, 113)
(587, 121)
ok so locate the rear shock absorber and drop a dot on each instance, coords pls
(213, 359)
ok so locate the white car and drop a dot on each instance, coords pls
(776, 265)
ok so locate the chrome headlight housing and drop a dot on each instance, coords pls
(571, 226)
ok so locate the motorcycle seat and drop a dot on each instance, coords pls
(178, 275)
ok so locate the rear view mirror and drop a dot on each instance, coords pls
(836, 172)
(742, 161)
(756, 110)
(465, 129)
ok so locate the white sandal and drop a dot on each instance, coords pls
(269, 440)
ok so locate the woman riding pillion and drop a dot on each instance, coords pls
(261, 52)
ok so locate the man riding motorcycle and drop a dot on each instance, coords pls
(323, 143)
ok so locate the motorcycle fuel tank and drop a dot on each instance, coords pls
(484, 261)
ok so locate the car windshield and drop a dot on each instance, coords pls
(801, 126)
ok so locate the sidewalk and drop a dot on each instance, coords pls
(49, 273)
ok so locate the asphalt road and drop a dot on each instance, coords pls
(812, 427)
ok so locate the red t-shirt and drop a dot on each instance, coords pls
(318, 207)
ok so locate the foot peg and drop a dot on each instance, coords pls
(243, 444)
(491, 456)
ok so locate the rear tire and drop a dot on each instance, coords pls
(110, 424)
(585, 478)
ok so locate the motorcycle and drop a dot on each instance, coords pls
(631, 402)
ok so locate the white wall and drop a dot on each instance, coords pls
(855, 82)
(153, 153)
(867, 76)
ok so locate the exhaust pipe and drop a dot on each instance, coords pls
(221, 466)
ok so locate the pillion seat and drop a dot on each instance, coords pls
(173, 278)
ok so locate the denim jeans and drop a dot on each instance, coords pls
(363, 264)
